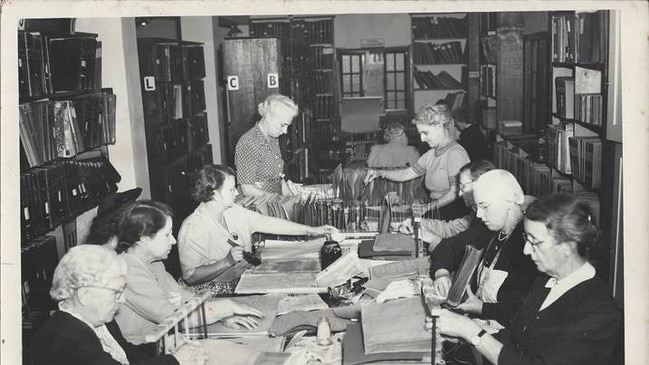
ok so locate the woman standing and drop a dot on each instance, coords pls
(504, 274)
(214, 237)
(440, 165)
(394, 153)
(257, 156)
(88, 285)
(568, 316)
(152, 294)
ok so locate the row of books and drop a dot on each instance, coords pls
(488, 80)
(324, 106)
(183, 136)
(589, 108)
(299, 131)
(535, 179)
(488, 22)
(586, 160)
(38, 258)
(427, 53)
(489, 49)
(171, 61)
(565, 95)
(442, 81)
(171, 101)
(439, 27)
(49, 64)
(312, 31)
(51, 129)
(456, 100)
(556, 139)
(323, 57)
(580, 37)
(52, 194)
(323, 131)
(324, 82)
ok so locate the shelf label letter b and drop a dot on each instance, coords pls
(273, 81)
(233, 82)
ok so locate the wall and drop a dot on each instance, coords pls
(536, 21)
(350, 29)
(200, 29)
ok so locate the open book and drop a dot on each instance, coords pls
(468, 265)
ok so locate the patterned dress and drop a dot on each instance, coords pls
(258, 161)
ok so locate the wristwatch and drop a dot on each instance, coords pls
(477, 339)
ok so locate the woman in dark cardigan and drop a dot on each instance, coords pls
(88, 285)
(568, 316)
(504, 274)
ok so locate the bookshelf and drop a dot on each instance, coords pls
(488, 57)
(439, 58)
(175, 122)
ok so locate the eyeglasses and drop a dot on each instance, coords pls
(463, 187)
(529, 240)
(119, 293)
(483, 206)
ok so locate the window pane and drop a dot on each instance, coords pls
(356, 64)
(347, 83)
(401, 104)
(400, 61)
(389, 81)
(391, 95)
(345, 64)
(400, 95)
(356, 83)
(401, 84)
(389, 61)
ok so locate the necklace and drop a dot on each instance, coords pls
(440, 150)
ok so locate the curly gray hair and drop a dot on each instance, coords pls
(82, 266)
(433, 114)
(267, 106)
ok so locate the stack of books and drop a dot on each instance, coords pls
(432, 53)
(439, 27)
(442, 81)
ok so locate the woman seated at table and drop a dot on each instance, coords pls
(257, 156)
(395, 152)
(440, 165)
(212, 240)
(568, 317)
(434, 230)
(152, 294)
(88, 285)
(504, 273)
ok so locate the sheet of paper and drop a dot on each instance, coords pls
(400, 269)
(307, 302)
(288, 265)
(274, 249)
(290, 283)
(340, 271)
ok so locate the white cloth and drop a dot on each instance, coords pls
(560, 287)
(108, 342)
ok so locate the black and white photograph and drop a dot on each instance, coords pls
(324, 182)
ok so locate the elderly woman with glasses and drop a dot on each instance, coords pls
(504, 273)
(440, 165)
(152, 294)
(88, 285)
(257, 156)
(568, 317)
(395, 152)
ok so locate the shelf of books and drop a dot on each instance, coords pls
(488, 57)
(439, 57)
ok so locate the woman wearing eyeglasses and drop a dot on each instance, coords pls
(88, 285)
(152, 294)
(440, 165)
(568, 317)
(504, 274)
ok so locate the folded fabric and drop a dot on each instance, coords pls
(223, 352)
(353, 352)
(302, 320)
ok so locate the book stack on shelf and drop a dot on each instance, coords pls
(439, 56)
(488, 57)
(175, 123)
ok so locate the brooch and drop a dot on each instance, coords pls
(235, 236)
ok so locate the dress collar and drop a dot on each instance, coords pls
(440, 151)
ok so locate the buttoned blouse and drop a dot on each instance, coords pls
(441, 167)
(258, 161)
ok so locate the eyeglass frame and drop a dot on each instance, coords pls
(119, 293)
(526, 239)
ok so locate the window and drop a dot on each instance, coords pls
(352, 73)
(396, 80)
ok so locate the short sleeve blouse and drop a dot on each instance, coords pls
(258, 161)
(441, 167)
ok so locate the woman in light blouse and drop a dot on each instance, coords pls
(440, 165)
(568, 317)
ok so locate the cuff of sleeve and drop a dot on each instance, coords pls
(418, 168)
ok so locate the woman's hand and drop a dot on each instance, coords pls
(406, 227)
(245, 310)
(473, 304)
(190, 353)
(237, 322)
(454, 325)
(322, 230)
(235, 254)
(371, 176)
(442, 284)
(217, 309)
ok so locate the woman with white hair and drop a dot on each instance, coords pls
(504, 274)
(395, 152)
(440, 165)
(88, 285)
(257, 156)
